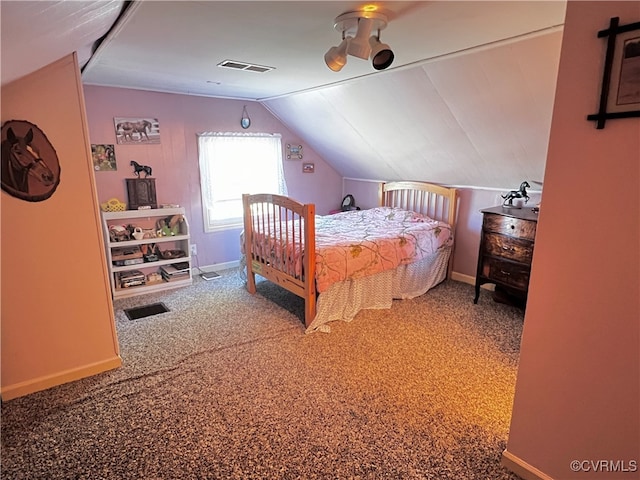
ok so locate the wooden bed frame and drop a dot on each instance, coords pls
(266, 214)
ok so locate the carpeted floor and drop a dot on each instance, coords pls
(227, 386)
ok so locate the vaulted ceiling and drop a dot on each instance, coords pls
(481, 119)
(467, 101)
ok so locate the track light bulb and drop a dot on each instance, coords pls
(336, 57)
(381, 54)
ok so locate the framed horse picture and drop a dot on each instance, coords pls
(30, 166)
(136, 131)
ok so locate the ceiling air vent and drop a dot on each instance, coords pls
(245, 66)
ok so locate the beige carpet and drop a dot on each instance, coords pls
(227, 386)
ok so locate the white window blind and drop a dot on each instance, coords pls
(232, 164)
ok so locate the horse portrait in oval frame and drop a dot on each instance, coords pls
(30, 166)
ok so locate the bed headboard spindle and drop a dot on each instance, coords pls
(432, 200)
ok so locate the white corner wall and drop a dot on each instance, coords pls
(577, 395)
(57, 317)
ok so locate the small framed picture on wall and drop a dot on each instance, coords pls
(104, 157)
(308, 168)
(294, 152)
(620, 87)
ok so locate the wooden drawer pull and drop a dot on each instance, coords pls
(505, 273)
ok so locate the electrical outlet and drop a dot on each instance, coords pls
(194, 249)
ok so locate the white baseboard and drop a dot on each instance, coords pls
(215, 267)
(461, 277)
(42, 383)
(522, 468)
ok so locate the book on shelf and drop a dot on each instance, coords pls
(131, 278)
(182, 266)
(176, 269)
(174, 272)
(173, 278)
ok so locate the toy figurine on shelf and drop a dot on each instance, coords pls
(516, 194)
(137, 232)
(162, 229)
(149, 252)
(169, 226)
(149, 233)
(138, 169)
(119, 233)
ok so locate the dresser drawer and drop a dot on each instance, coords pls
(515, 227)
(508, 247)
(507, 273)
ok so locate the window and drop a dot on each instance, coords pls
(232, 164)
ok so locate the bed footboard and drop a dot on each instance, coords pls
(279, 244)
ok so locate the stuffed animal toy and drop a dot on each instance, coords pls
(119, 233)
(174, 224)
(169, 226)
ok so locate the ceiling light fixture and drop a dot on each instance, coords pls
(356, 28)
(359, 46)
(336, 57)
(381, 54)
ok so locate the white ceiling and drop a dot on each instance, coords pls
(480, 119)
(176, 46)
(34, 34)
(468, 99)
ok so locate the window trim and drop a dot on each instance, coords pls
(234, 223)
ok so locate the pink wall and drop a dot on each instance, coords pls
(175, 159)
(175, 166)
(57, 320)
(469, 225)
(577, 394)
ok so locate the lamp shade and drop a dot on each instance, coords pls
(381, 54)
(359, 46)
(336, 57)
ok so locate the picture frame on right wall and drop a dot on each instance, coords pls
(624, 94)
(620, 87)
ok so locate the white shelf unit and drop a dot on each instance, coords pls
(147, 220)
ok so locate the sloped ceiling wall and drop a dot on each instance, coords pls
(477, 119)
(35, 34)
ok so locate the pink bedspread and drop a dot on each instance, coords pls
(358, 243)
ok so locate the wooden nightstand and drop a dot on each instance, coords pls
(506, 249)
